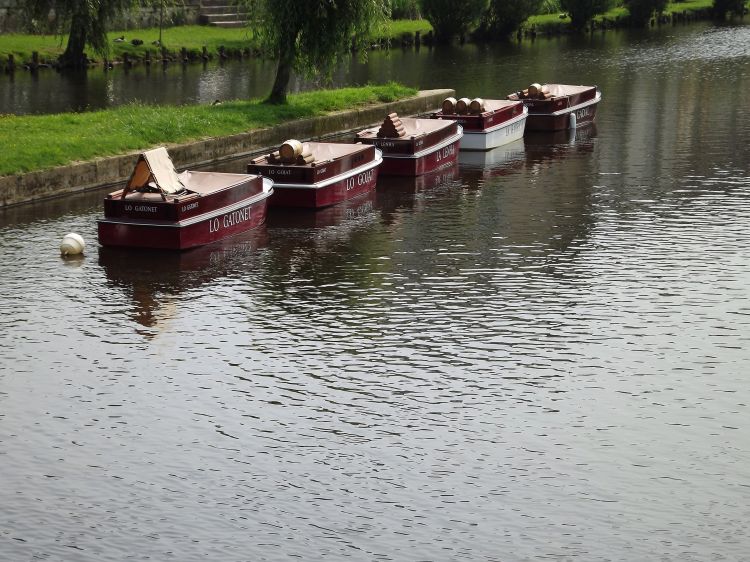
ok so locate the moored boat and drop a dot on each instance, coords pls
(555, 107)
(159, 208)
(412, 146)
(318, 174)
(486, 123)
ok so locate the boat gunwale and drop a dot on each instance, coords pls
(374, 163)
(429, 150)
(268, 186)
(524, 114)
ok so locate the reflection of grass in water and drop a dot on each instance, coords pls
(34, 142)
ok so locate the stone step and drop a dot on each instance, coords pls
(207, 11)
(229, 23)
(214, 18)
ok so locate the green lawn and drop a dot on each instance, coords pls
(35, 142)
(546, 22)
(191, 37)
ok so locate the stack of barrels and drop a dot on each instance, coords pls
(534, 92)
(292, 151)
(392, 127)
(463, 106)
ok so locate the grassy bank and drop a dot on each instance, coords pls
(42, 141)
(554, 23)
(190, 37)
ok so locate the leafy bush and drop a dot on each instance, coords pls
(450, 17)
(735, 7)
(583, 11)
(503, 17)
(405, 9)
(642, 10)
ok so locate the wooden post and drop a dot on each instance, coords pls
(126, 60)
(11, 64)
(417, 38)
(34, 60)
(147, 58)
(205, 53)
(183, 53)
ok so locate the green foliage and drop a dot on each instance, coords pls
(735, 7)
(34, 142)
(84, 21)
(405, 9)
(311, 36)
(583, 11)
(450, 18)
(503, 17)
(642, 10)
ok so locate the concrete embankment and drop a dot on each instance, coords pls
(109, 172)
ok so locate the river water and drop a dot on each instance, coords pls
(539, 354)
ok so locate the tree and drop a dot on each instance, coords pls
(84, 21)
(451, 17)
(310, 36)
(503, 17)
(583, 11)
(642, 10)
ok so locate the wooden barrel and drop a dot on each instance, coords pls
(476, 105)
(289, 150)
(449, 105)
(462, 106)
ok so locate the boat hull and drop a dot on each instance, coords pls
(584, 112)
(501, 134)
(423, 162)
(337, 189)
(189, 233)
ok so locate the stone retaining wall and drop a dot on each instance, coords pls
(109, 172)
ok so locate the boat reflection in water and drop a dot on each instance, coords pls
(400, 192)
(559, 144)
(157, 279)
(478, 167)
(348, 210)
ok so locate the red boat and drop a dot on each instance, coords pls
(487, 123)
(159, 208)
(555, 107)
(318, 174)
(412, 147)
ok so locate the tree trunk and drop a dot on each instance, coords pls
(73, 55)
(284, 69)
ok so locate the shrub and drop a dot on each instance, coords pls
(582, 11)
(503, 17)
(642, 10)
(450, 18)
(735, 7)
(405, 9)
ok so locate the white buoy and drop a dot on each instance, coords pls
(72, 244)
(573, 121)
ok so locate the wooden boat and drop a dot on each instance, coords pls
(411, 146)
(159, 208)
(318, 174)
(555, 107)
(487, 124)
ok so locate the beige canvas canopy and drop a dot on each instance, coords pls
(154, 169)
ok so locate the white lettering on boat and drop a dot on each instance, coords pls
(229, 219)
(189, 207)
(279, 171)
(510, 129)
(321, 171)
(446, 152)
(362, 179)
(144, 209)
(385, 144)
(581, 113)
